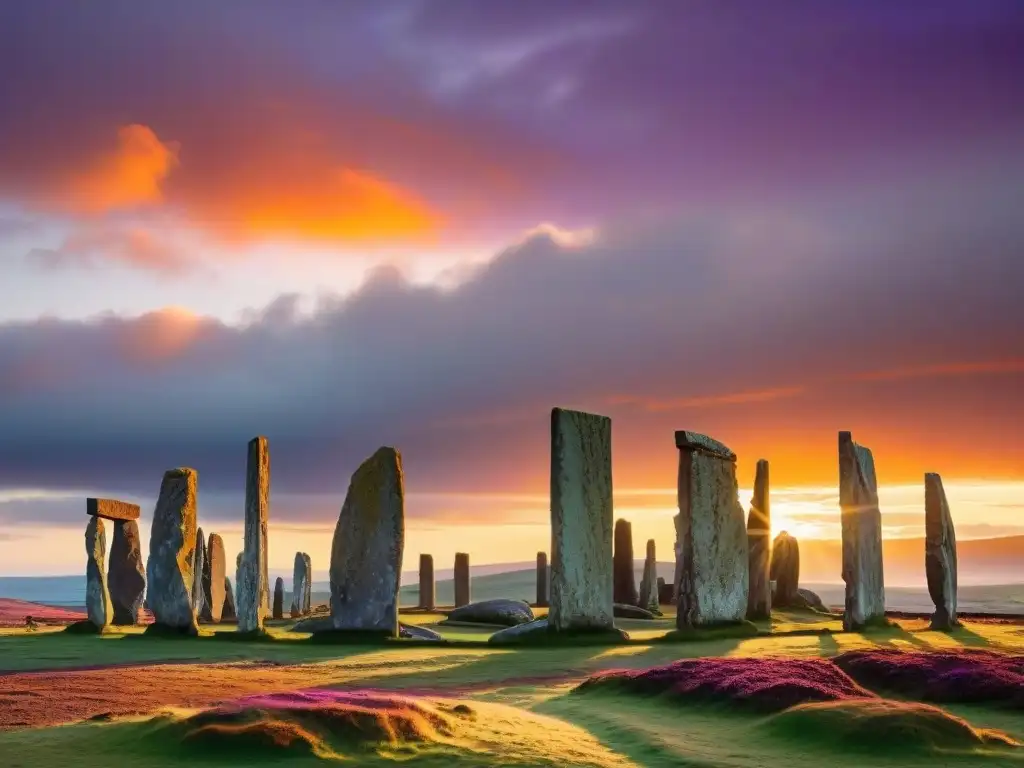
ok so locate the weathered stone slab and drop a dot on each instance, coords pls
(413, 632)
(862, 535)
(252, 580)
(279, 598)
(198, 602)
(172, 543)
(759, 531)
(112, 509)
(366, 554)
(214, 579)
(785, 571)
(649, 596)
(463, 589)
(97, 597)
(229, 613)
(712, 569)
(542, 632)
(623, 576)
(581, 522)
(298, 585)
(307, 599)
(500, 611)
(940, 553)
(631, 612)
(427, 585)
(127, 574)
(542, 579)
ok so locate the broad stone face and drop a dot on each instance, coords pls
(253, 599)
(759, 528)
(862, 535)
(649, 583)
(623, 578)
(463, 587)
(127, 576)
(940, 553)
(214, 576)
(366, 554)
(713, 565)
(172, 543)
(785, 570)
(427, 584)
(97, 598)
(581, 521)
(197, 569)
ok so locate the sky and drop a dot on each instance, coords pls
(424, 223)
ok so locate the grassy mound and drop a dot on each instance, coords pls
(762, 684)
(883, 726)
(962, 676)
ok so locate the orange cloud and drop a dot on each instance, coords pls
(127, 177)
(93, 243)
(162, 335)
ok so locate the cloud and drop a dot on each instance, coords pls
(92, 245)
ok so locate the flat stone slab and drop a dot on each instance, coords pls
(500, 611)
(540, 632)
(413, 632)
(698, 443)
(111, 509)
(623, 611)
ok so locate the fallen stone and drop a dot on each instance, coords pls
(228, 613)
(623, 576)
(214, 580)
(581, 522)
(540, 632)
(812, 601)
(759, 529)
(462, 579)
(314, 625)
(940, 554)
(172, 544)
(427, 584)
(712, 567)
(279, 598)
(198, 603)
(631, 612)
(862, 536)
(366, 554)
(505, 613)
(127, 576)
(542, 579)
(252, 580)
(413, 632)
(112, 509)
(649, 597)
(785, 571)
(97, 597)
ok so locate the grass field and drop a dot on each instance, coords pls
(127, 699)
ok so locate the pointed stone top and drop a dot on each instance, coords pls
(698, 443)
(112, 509)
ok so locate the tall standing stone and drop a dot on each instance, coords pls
(785, 571)
(542, 579)
(298, 584)
(712, 569)
(862, 535)
(461, 577)
(198, 603)
(581, 521)
(229, 613)
(127, 574)
(427, 584)
(97, 596)
(623, 576)
(172, 543)
(214, 579)
(366, 554)
(940, 553)
(759, 530)
(307, 600)
(279, 598)
(649, 595)
(253, 588)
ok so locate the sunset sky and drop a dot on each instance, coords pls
(423, 223)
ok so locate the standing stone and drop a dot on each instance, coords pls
(759, 530)
(623, 576)
(298, 585)
(214, 576)
(649, 595)
(307, 599)
(461, 576)
(253, 587)
(172, 543)
(127, 575)
(940, 553)
(427, 582)
(229, 613)
(97, 597)
(279, 598)
(581, 521)
(785, 571)
(666, 592)
(712, 567)
(862, 535)
(542, 579)
(198, 603)
(366, 554)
